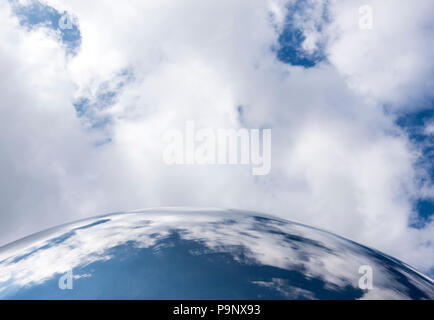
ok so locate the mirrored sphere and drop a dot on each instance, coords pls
(176, 253)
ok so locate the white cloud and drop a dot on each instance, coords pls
(393, 62)
(429, 129)
(338, 160)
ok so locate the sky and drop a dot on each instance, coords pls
(83, 109)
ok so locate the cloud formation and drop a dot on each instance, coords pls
(81, 133)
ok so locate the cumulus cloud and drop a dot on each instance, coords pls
(82, 133)
(392, 63)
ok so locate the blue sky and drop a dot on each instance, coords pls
(353, 121)
(414, 124)
(36, 14)
(288, 50)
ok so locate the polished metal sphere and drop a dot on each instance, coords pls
(176, 253)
